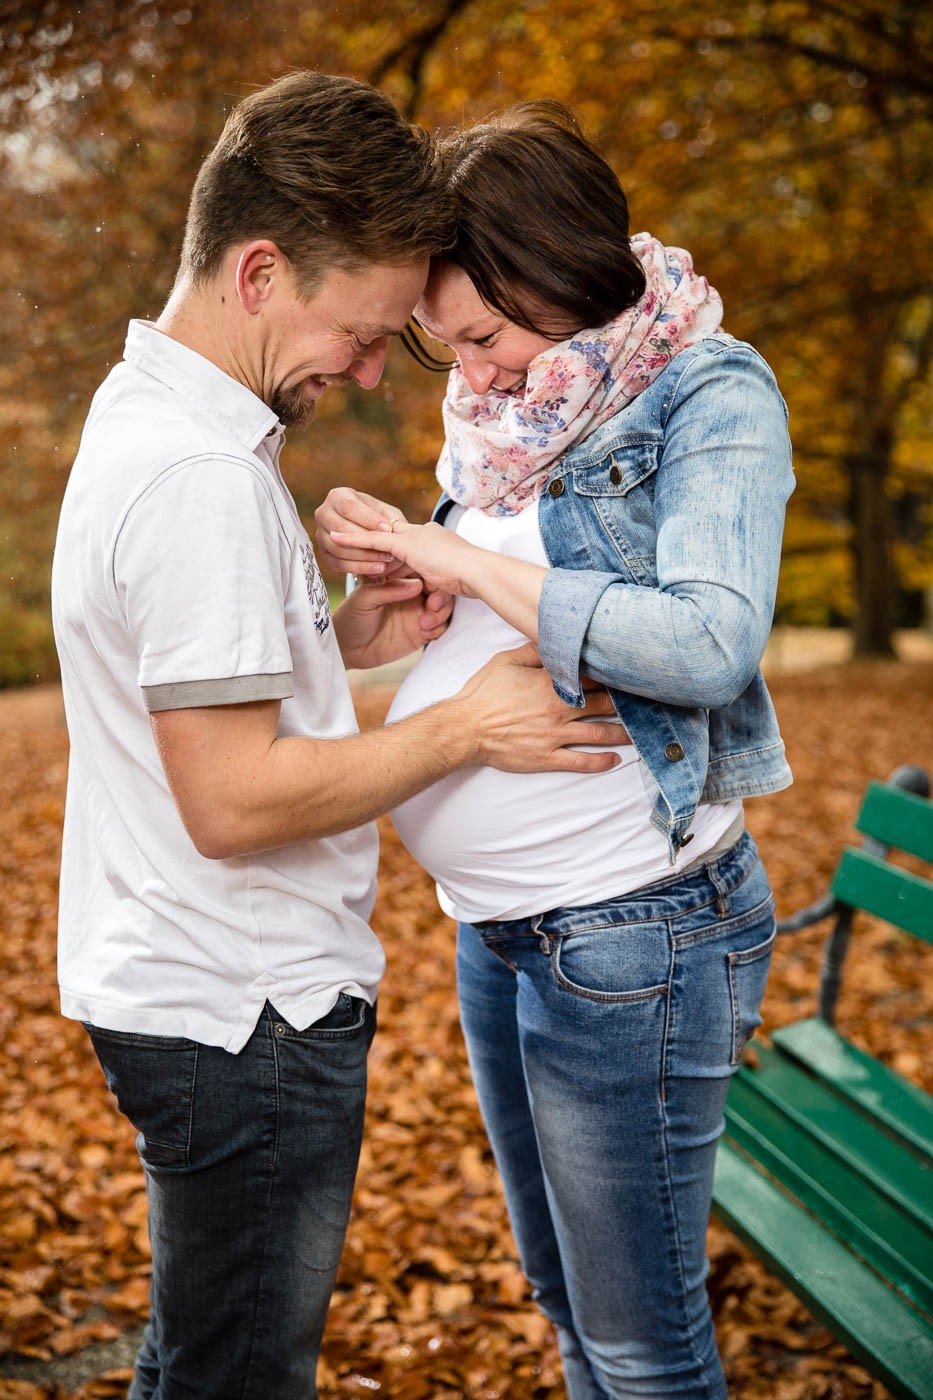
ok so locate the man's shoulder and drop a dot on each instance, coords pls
(131, 407)
(139, 433)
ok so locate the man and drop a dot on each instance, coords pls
(218, 863)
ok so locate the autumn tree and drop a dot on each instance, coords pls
(848, 151)
(788, 144)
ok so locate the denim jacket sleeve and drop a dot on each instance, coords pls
(722, 482)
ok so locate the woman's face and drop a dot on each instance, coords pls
(493, 352)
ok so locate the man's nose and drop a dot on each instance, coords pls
(367, 368)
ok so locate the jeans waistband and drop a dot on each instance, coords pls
(705, 883)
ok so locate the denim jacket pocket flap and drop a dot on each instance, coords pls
(616, 474)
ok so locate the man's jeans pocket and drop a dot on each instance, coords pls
(152, 1078)
(346, 1018)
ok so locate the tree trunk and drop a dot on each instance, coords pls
(875, 575)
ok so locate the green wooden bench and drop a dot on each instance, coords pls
(825, 1166)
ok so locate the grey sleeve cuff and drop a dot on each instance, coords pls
(227, 690)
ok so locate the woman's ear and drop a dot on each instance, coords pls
(258, 268)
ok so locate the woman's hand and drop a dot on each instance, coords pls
(381, 622)
(511, 587)
(346, 509)
(435, 554)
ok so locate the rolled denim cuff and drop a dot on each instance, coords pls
(568, 601)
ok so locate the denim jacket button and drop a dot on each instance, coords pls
(685, 840)
(674, 752)
(615, 474)
(557, 487)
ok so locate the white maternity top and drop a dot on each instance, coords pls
(509, 845)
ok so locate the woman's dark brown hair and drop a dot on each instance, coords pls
(542, 221)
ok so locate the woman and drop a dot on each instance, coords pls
(615, 473)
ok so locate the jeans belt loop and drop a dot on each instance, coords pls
(544, 942)
(722, 890)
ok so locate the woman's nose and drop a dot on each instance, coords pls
(478, 373)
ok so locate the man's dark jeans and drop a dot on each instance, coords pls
(250, 1161)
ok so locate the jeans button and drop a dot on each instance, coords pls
(674, 752)
(556, 488)
(280, 1029)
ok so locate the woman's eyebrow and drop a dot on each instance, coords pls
(469, 332)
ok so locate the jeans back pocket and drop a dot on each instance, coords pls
(152, 1078)
(748, 974)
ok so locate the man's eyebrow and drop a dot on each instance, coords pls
(368, 332)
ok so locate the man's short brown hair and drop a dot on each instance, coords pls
(326, 168)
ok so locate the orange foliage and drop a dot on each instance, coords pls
(788, 145)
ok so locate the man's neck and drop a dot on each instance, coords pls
(200, 318)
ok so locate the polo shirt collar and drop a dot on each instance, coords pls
(214, 395)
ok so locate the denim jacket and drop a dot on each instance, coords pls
(663, 532)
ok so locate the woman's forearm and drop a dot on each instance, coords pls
(510, 587)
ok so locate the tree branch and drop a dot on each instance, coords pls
(412, 53)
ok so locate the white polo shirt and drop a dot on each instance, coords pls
(183, 577)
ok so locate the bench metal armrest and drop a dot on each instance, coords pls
(822, 909)
(910, 778)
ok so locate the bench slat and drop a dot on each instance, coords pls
(903, 899)
(878, 1229)
(873, 1321)
(825, 1166)
(880, 1092)
(898, 818)
(889, 1162)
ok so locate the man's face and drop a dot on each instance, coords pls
(340, 334)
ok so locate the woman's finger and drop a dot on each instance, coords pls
(372, 543)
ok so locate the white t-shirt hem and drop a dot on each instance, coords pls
(195, 1024)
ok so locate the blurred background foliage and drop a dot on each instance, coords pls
(787, 143)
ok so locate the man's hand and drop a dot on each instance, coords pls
(523, 727)
(382, 622)
(346, 509)
(242, 787)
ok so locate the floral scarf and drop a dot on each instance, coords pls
(500, 449)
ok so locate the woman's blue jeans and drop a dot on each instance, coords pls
(602, 1040)
(250, 1161)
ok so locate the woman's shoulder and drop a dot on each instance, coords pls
(719, 345)
(700, 375)
(714, 368)
(699, 381)
(716, 354)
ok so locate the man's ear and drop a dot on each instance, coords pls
(259, 267)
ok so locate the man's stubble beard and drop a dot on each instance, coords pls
(291, 409)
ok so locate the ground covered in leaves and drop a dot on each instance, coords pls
(431, 1302)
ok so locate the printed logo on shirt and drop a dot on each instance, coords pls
(317, 589)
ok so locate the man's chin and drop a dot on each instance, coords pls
(292, 409)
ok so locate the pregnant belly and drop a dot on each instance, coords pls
(496, 841)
